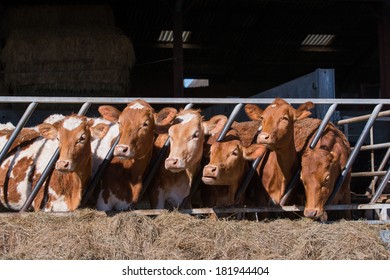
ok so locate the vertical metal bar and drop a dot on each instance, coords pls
(22, 122)
(354, 153)
(382, 165)
(323, 124)
(48, 168)
(381, 187)
(372, 158)
(230, 121)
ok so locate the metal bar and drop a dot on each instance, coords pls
(230, 121)
(170, 101)
(362, 118)
(22, 122)
(373, 147)
(323, 124)
(157, 162)
(381, 187)
(96, 179)
(354, 152)
(247, 179)
(291, 186)
(382, 164)
(368, 173)
(48, 168)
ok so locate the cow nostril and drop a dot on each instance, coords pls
(266, 137)
(125, 149)
(66, 165)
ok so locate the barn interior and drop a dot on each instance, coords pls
(222, 48)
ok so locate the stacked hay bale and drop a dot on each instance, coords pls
(72, 50)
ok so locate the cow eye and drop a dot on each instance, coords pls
(146, 123)
(261, 118)
(285, 117)
(195, 135)
(81, 139)
(235, 152)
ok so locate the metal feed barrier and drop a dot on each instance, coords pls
(381, 208)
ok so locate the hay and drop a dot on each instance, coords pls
(89, 234)
(55, 16)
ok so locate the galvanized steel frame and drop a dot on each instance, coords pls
(86, 101)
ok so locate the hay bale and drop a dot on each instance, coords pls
(88, 234)
(67, 59)
(44, 16)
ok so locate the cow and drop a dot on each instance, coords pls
(287, 132)
(280, 162)
(227, 168)
(63, 189)
(187, 133)
(122, 182)
(321, 167)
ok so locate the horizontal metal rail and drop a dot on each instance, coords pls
(362, 118)
(368, 174)
(199, 101)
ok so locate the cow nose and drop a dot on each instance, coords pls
(263, 138)
(210, 170)
(171, 161)
(310, 213)
(122, 150)
(63, 165)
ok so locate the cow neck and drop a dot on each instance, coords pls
(287, 160)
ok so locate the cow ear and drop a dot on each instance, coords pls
(214, 125)
(48, 131)
(254, 151)
(303, 111)
(253, 112)
(99, 131)
(164, 119)
(109, 113)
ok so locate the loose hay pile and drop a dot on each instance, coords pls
(92, 235)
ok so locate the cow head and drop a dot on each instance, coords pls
(136, 128)
(227, 162)
(277, 122)
(319, 175)
(187, 132)
(74, 134)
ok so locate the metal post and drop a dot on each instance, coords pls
(230, 121)
(382, 165)
(48, 168)
(290, 188)
(354, 152)
(323, 124)
(381, 187)
(22, 122)
(248, 178)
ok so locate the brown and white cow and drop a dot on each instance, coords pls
(187, 133)
(62, 191)
(281, 163)
(122, 181)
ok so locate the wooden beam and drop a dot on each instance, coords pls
(384, 51)
(178, 76)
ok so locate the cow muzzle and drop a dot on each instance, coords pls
(123, 151)
(64, 166)
(316, 214)
(210, 174)
(174, 164)
(265, 138)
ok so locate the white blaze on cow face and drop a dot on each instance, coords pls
(137, 106)
(185, 118)
(72, 123)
